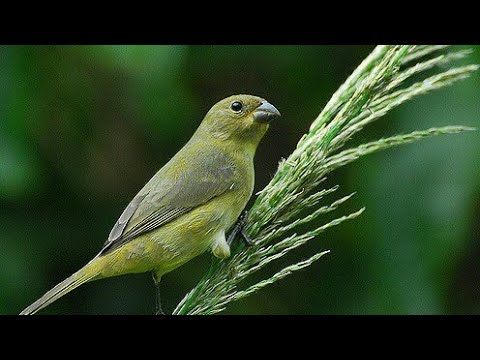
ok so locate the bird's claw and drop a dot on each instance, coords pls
(239, 228)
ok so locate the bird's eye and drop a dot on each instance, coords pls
(236, 106)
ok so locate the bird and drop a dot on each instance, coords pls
(189, 206)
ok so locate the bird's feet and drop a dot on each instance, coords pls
(239, 228)
(158, 298)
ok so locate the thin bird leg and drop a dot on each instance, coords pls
(239, 227)
(158, 299)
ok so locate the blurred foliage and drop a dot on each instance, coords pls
(82, 128)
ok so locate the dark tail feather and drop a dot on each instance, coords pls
(82, 276)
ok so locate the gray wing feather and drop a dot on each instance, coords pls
(121, 223)
(157, 206)
(154, 220)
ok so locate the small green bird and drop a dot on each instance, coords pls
(189, 204)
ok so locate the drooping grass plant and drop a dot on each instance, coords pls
(294, 197)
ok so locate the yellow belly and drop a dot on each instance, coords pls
(168, 247)
(173, 244)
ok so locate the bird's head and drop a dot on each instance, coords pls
(239, 118)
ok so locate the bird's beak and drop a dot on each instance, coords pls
(266, 112)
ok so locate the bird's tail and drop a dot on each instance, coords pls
(85, 274)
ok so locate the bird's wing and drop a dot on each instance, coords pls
(166, 198)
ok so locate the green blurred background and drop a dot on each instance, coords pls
(82, 128)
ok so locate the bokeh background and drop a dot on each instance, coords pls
(82, 128)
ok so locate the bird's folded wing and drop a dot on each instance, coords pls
(167, 196)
